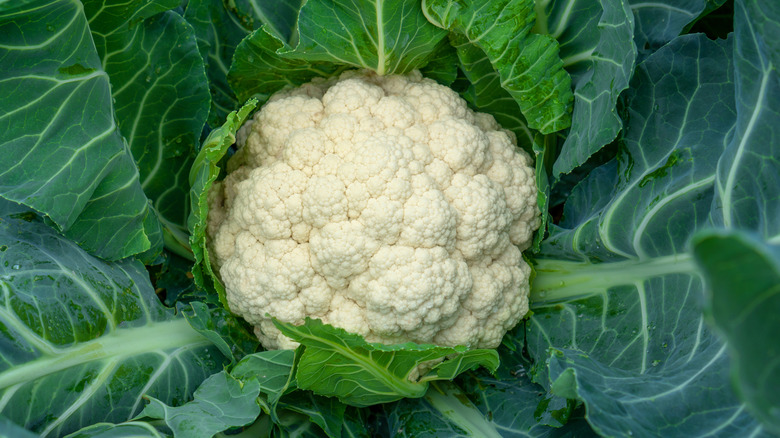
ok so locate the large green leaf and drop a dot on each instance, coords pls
(447, 412)
(273, 370)
(748, 181)
(218, 31)
(387, 37)
(160, 96)
(60, 150)
(326, 412)
(748, 197)
(341, 364)
(485, 93)
(616, 295)
(258, 71)
(443, 66)
(83, 340)
(743, 275)
(130, 429)
(479, 404)
(221, 327)
(227, 400)
(675, 16)
(280, 18)
(9, 429)
(527, 63)
(597, 49)
(219, 403)
(381, 35)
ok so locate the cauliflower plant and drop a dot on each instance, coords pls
(379, 204)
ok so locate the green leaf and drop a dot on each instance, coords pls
(481, 405)
(747, 198)
(130, 429)
(280, 18)
(203, 173)
(527, 63)
(273, 370)
(743, 276)
(449, 400)
(485, 93)
(675, 16)
(544, 148)
(77, 331)
(467, 361)
(60, 150)
(173, 281)
(616, 294)
(384, 36)
(294, 424)
(329, 38)
(598, 52)
(219, 403)
(218, 31)
(325, 412)
(8, 429)
(748, 181)
(161, 97)
(341, 364)
(258, 71)
(443, 65)
(355, 421)
(222, 328)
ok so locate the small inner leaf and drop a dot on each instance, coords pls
(342, 364)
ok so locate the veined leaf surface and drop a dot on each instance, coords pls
(616, 294)
(485, 93)
(748, 181)
(504, 404)
(340, 364)
(280, 18)
(219, 403)
(218, 31)
(674, 15)
(387, 37)
(61, 152)
(258, 71)
(160, 94)
(744, 273)
(527, 63)
(743, 276)
(598, 51)
(83, 340)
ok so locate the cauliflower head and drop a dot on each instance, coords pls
(379, 204)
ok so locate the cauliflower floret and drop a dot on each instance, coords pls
(381, 205)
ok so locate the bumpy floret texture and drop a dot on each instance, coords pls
(381, 205)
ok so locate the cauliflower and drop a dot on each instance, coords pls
(379, 204)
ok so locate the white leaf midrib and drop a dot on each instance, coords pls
(120, 344)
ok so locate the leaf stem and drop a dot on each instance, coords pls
(122, 343)
(540, 26)
(453, 404)
(562, 280)
(177, 242)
